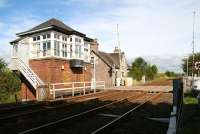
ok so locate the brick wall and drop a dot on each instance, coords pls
(50, 71)
(103, 73)
(26, 93)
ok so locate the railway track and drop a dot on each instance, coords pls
(105, 128)
(28, 120)
(13, 115)
(90, 113)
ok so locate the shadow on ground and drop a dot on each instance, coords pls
(191, 115)
(138, 122)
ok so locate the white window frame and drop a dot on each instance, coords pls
(46, 51)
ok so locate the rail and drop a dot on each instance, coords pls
(56, 107)
(76, 116)
(110, 124)
(59, 89)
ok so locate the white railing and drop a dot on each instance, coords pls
(60, 89)
(27, 72)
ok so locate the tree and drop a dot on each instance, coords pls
(2, 64)
(190, 64)
(140, 68)
(151, 72)
(9, 82)
(170, 74)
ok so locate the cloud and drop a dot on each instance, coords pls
(144, 27)
(3, 3)
(163, 63)
(8, 31)
(147, 28)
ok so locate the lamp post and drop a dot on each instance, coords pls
(94, 73)
(93, 61)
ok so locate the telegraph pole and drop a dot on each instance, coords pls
(194, 13)
(187, 67)
(118, 44)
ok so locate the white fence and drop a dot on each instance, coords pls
(61, 89)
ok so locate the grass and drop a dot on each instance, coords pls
(191, 115)
(189, 99)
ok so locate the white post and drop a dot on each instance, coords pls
(104, 85)
(94, 79)
(84, 88)
(72, 88)
(37, 95)
(52, 44)
(54, 92)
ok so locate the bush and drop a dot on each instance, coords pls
(9, 82)
(140, 68)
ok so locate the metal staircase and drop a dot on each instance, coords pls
(29, 74)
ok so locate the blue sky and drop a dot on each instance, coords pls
(155, 29)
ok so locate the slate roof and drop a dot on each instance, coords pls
(17, 40)
(109, 58)
(52, 24)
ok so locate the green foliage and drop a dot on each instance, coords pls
(140, 68)
(151, 72)
(9, 82)
(170, 74)
(190, 100)
(190, 65)
(2, 65)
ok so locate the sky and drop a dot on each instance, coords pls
(159, 30)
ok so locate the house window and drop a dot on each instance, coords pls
(44, 36)
(36, 49)
(38, 37)
(86, 47)
(78, 40)
(78, 51)
(34, 39)
(46, 48)
(92, 60)
(56, 48)
(71, 51)
(70, 39)
(56, 36)
(48, 35)
(64, 50)
(64, 38)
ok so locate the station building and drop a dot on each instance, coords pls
(53, 52)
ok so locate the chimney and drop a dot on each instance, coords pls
(117, 50)
(94, 45)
